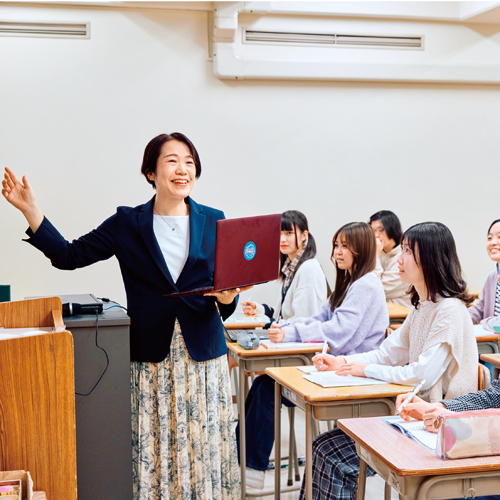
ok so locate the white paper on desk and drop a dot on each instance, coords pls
(290, 345)
(14, 333)
(414, 429)
(308, 369)
(479, 331)
(239, 317)
(331, 379)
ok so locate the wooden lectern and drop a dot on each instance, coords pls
(37, 398)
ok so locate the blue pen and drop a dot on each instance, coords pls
(283, 326)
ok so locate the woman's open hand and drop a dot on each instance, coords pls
(356, 369)
(21, 196)
(227, 296)
(330, 363)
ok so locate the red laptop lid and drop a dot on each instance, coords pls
(247, 251)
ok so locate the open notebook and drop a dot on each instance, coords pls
(331, 379)
(414, 429)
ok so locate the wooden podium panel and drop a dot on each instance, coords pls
(37, 399)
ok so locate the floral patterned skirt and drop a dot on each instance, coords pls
(182, 428)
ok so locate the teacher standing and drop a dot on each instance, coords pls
(183, 442)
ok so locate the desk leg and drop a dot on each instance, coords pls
(309, 457)
(243, 447)
(277, 441)
(361, 480)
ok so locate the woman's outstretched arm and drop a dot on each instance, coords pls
(21, 196)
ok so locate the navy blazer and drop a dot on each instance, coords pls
(129, 236)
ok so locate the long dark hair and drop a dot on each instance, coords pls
(360, 240)
(391, 224)
(291, 220)
(435, 252)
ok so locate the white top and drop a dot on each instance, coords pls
(306, 294)
(386, 363)
(386, 269)
(436, 343)
(172, 234)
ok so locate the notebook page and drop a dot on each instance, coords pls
(290, 345)
(331, 379)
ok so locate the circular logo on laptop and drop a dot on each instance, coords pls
(249, 250)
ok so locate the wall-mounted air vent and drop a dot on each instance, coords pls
(48, 30)
(333, 39)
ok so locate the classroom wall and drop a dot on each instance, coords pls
(75, 116)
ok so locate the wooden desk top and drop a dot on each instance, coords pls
(474, 291)
(263, 351)
(397, 312)
(293, 379)
(494, 359)
(494, 337)
(406, 457)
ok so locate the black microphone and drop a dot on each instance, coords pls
(74, 309)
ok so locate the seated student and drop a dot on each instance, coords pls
(436, 343)
(486, 311)
(353, 320)
(387, 229)
(429, 412)
(304, 283)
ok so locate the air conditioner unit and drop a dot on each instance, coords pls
(253, 41)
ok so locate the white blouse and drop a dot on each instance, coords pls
(172, 234)
(385, 363)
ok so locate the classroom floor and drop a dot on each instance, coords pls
(374, 485)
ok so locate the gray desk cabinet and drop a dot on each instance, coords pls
(103, 419)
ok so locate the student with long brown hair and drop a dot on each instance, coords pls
(436, 343)
(353, 320)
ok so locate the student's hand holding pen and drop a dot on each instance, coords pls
(330, 363)
(249, 307)
(420, 410)
(276, 333)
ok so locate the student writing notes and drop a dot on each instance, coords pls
(353, 320)
(388, 232)
(302, 293)
(486, 311)
(435, 343)
(428, 412)
(179, 368)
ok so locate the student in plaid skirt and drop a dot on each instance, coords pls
(436, 340)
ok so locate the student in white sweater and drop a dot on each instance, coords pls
(304, 284)
(303, 291)
(435, 343)
(387, 229)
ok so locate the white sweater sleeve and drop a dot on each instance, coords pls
(430, 365)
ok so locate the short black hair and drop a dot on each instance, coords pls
(391, 224)
(492, 224)
(153, 150)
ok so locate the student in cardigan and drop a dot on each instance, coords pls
(303, 287)
(486, 311)
(388, 232)
(436, 343)
(429, 412)
(303, 292)
(353, 320)
(165, 245)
